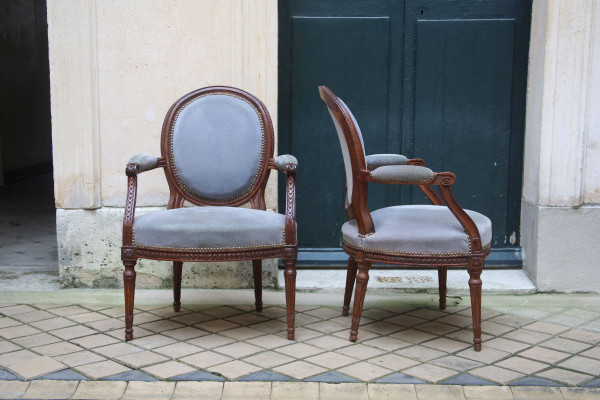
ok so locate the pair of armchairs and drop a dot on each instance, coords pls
(217, 153)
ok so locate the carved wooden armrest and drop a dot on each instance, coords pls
(288, 164)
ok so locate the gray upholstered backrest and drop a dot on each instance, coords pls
(217, 146)
(346, 150)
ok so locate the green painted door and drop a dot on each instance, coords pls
(436, 79)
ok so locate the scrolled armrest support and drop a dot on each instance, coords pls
(288, 164)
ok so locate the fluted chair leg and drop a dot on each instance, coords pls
(290, 296)
(257, 271)
(350, 278)
(129, 287)
(442, 275)
(362, 278)
(475, 267)
(177, 270)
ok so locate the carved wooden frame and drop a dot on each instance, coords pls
(130, 253)
(358, 208)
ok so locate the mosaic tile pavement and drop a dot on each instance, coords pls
(550, 346)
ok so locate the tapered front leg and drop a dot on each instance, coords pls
(290, 295)
(257, 271)
(350, 278)
(362, 278)
(129, 286)
(177, 270)
(442, 275)
(475, 267)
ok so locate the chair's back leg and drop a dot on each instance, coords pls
(475, 267)
(350, 278)
(257, 271)
(362, 278)
(442, 275)
(177, 270)
(129, 287)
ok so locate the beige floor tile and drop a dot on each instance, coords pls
(546, 327)
(88, 317)
(378, 314)
(8, 322)
(446, 345)
(436, 328)
(295, 391)
(109, 324)
(365, 371)
(169, 312)
(102, 369)
(161, 325)
(301, 319)
(328, 342)
(114, 312)
(545, 355)
(239, 349)
(109, 390)
(360, 351)
(247, 390)
(564, 376)
(18, 331)
(54, 323)
(221, 312)
(51, 389)
(323, 313)
(488, 392)
(268, 359)
(185, 333)
(511, 346)
(580, 393)
(512, 320)
(73, 332)
(12, 389)
(198, 390)
(152, 341)
(234, 369)
(206, 359)
(326, 327)
(593, 353)
(92, 341)
(137, 360)
(216, 325)
(149, 390)
(120, 333)
(56, 349)
(331, 360)
(413, 336)
(527, 336)
(273, 312)
(495, 329)
(33, 316)
(405, 320)
(272, 326)
(79, 358)
(68, 310)
(37, 366)
(427, 313)
(582, 336)
(346, 391)
(210, 341)
(168, 369)
(457, 320)
(393, 362)
(7, 347)
(456, 363)
(299, 350)
(142, 318)
(178, 350)
(346, 322)
(496, 374)
(486, 355)
(536, 392)
(36, 340)
(523, 365)
(566, 345)
(466, 335)
(486, 313)
(17, 309)
(384, 391)
(303, 334)
(430, 372)
(192, 318)
(268, 341)
(582, 364)
(420, 353)
(382, 328)
(440, 392)
(117, 349)
(300, 369)
(14, 357)
(242, 333)
(247, 319)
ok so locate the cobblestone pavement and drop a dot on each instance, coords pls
(522, 346)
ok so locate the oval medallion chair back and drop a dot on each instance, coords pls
(437, 236)
(217, 153)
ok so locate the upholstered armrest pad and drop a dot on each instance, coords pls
(402, 174)
(379, 160)
(145, 161)
(283, 159)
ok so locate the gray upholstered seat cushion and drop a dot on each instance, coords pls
(144, 161)
(206, 228)
(379, 160)
(417, 230)
(402, 174)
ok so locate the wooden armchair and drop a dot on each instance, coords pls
(217, 153)
(439, 236)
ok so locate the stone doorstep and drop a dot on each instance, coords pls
(276, 390)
